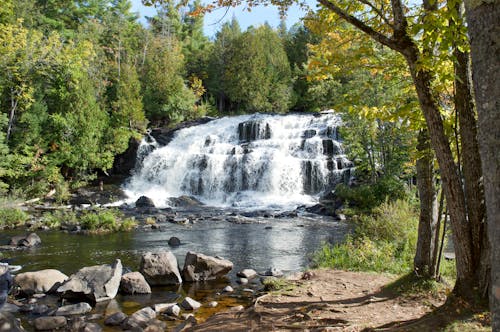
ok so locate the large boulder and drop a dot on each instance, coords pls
(27, 241)
(199, 267)
(144, 202)
(134, 283)
(95, 283)
(37, 282)
(185, 201)
(160, 268)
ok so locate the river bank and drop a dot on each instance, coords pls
(334, 300)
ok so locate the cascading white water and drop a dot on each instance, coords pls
(251, 161)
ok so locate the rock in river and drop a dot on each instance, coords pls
(134, 283)
(160, 268)
(199, 267)
(95, 283)
(43, 281)
(27, 241)
(144, 202)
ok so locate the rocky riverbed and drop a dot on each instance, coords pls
(252, 242)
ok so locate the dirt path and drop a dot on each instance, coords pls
(326, 300)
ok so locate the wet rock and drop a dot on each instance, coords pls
(115, 319)
(74, 309)
(242, 281)
(166, 308)
(228, 289)
(199, 267)
(34, 309)
(179, 220)
(90, 327)
(134, 283)
(26, 241)
(43, 281)
(156, 326)
(50, 323)
(94, 283)
(9, 323)
(189, 321)
(173, 310)
(190, 304)
(140, 318)
(309, 133)
(124, 163)
(237, 308)
(144, 202)
(273, 272)
(212, 304)
(5, 284)
(185, 201)
(160, 268)
(174, 241)
(247, 273)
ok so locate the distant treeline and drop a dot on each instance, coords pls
(79, 78)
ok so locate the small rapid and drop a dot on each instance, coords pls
(258, 161)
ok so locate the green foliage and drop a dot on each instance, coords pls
(382, 242)
(106, 221)
(59, 218)
(365, 197)
(277, 284)
(12, 217)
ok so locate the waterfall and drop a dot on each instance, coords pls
(249, 161)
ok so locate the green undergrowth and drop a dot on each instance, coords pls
(383, 241)
(12, 217)
(277, 284)
(93, 221)
(411, 285)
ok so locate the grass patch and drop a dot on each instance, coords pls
(411, 285)
(383, 241)
(106, 221)
(12, 217)
(277, 284)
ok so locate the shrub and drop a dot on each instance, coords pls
(382, 242)
(105, 221)
(12, 217)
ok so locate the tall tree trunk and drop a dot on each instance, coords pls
(424, 263)
(483, 19)
(13, 108)
(452, 183)
(471, 161)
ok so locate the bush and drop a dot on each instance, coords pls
(382, 242)
(366, 197)
(12, 217)
(105, 221)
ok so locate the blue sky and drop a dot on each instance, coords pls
(214, 20)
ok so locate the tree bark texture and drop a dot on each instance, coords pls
(483, 19)
(424, 262)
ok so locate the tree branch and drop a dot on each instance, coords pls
(377, 11)
(377, 36)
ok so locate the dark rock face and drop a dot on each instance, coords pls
(43, 281)
(190, 304)
(199, 267)
(124, 163)
(139, 319)
(144, 202)
(164, 135)
(185, 201)
(94, 283)
(160, 269)
(134, 283)
(26, 241)
(174, 241)
(253, 130)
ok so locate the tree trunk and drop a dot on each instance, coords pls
(471, 163)
(13, 107)
(428, 232)
(452, 183)
(483, 20)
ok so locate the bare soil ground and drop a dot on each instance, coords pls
(328, 300)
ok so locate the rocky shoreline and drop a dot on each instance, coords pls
(49, 300)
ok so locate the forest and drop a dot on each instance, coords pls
(80, 80)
